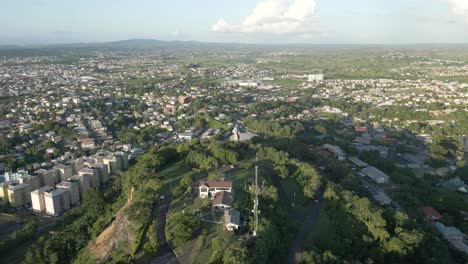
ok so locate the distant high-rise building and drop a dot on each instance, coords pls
(77, 165)
(19, 194)
(102, 170)
(38, 200)
(114, 164)
(57, 201)
(63, 172)
(93, 175)
(33, 181)
(84, 181)
(124, 159)
(74, 189)
(46, 177)
(4, 192)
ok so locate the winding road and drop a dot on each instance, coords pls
(166, 255)
(307, 221)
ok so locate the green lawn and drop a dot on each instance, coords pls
(172, 174)
(213, 123)
(199, 249)
(287, 83)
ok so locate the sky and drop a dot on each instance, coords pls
(243, 21)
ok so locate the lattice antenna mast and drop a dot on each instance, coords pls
(256, 202)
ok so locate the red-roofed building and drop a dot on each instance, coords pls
(361, 129)
(430, 213)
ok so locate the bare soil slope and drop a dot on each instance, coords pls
(118, 235)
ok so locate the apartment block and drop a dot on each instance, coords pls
(19, 194)
(103, 171)
(84, 181)
(93, 174)
(38, 200)
(73, 186)
(46, 177)
(63, 172)
(57, 201)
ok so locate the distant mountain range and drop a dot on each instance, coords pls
(130, 44)
(142, 44)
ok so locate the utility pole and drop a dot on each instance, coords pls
(294, 201)
(256, 202)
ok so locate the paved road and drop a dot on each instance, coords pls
(307, 222)
(165, 251)
(307, 226)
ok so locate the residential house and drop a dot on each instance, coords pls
(208, 189)
(223, 201)
(430, 214)
(231, 220)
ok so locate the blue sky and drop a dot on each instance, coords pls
(249, 21)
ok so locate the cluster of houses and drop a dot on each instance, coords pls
(222, 195)
(452, 234)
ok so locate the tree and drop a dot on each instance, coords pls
(187, 180)
(151, 246)
(282, 171)
(236, 255)
(184, 228)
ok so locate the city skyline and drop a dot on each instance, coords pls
(262, 21)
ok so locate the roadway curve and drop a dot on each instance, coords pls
(308, 221)
(166, 255)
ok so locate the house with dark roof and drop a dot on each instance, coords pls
(223, 201)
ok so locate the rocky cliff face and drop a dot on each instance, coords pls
(117, 236)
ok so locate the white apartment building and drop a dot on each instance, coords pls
(57, 201)
(38, 200)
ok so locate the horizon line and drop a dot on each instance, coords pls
(35, 45)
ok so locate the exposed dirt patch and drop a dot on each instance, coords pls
(118, 235)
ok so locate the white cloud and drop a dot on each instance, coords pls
(275, 17)
(459, 7)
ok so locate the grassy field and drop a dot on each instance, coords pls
(172, 174)
(287, 83)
